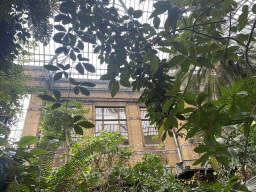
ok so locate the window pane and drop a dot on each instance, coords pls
(98, 112)
(122, 113)
(149, 131)
(111, 127)
(16, 129)
(143, 113)
(98, 125)
(110, 113)
(110, 121)
(123, 128)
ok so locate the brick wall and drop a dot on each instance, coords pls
(100, 96)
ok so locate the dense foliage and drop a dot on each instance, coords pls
(101, 164)
(213, 45)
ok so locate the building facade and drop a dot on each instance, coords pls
(121, 113)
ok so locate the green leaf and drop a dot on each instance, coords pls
(176, 60)
(164, 49)
(57, 37)
(145, 57)
(57, 76)
(242, 187)
(84, 91)
(201, 98)
(59, 17)
(160, 7)
(80, 68)
(226, 4)
(61, 49)
(47, 98)
(130, 11)
(170, 133)
(24, 189)
(70, 119)
(167, 26)
(113, 87)
(254, 8)
(73, 81)
(216, 185)
(80, 45)
(88, 84)
(26, 140)
(192, 132)
(60, 65)
(76, 50)
(72, 55)
(164, 136)
(243, 18)
(86, 124)
(224, 91)
(51, 67)
(176, 86)
(57, 94)
(77, 118)
(137, 13)
(167, 105)
(223, 160)
(247, 124)
(180, 48)
(242, 37)
(125, 82)
(205, 62)
(78, 130)
(97, 49)
(203, 49)
(3, 142)
(60, 28)
(76, 90)
(89, 67)
(190, 98)
(65, 74)
(22, 154)
(185, 65)
(236, 87)
(125, 17)
(233, 48)
(106, 77)
(4, 96)
(38, 151)
(214, 163)
(153, 62)
(161, 128)
(201, 149)
(210, 141)
(188, 110)
(181, 105)
(156, 22)
(66, 67)
(173, 121)
(203, 159)
(55, 106)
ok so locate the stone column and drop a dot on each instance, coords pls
(33, 117)
(89, 116)
(134, 126)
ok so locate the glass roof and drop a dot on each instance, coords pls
(44, 54)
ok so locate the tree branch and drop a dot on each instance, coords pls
(206, 10)
(229, 33)
(217, 37)
(248, 44)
